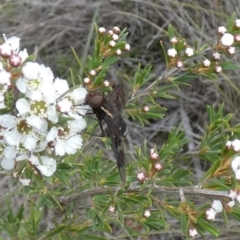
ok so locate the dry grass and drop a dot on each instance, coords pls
(50, 27)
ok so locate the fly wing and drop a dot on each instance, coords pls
(115, 103)
(118, 99)
(115, 134)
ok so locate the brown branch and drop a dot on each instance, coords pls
(196, 190)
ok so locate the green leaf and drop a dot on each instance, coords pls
(170, 32)
(184, 223)
(207, 226)
(62, 176)
(230, 22)
(64, 166)
(235, 213)
(20, 212)
(107, 227)
(91, 237)
(55, 231)
(120, 214)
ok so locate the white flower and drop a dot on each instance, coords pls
(19, 131)
(237, 38)
(34, 160)
(238, 198)
(37, 112)
(86, 80)
(232, 194)
(147, 214)
(116, 29)
(126, 47)
(115, 37)
(37, 83)
(69, 146)
(154, 156)
(222, 30)
(236, 145)
(9, 155)
(5, 77)
(141, 176)
(102, 30)
(235, 164)
(231, 204)
(2, 101)
(14, 138)
(78, 97)
(31, 70)
(173, 40)
(216, 56)
(25, 181)
(23, 54)
(6, 50)
(77, 125)
(172, 52)
(64, 105)
(218, 69)
(193, 232)
(47, 167)
(180, 64)
(92, 72)
(189, 52)
(7, 121)
(231, 50)
(237, 174)
(118, 52)
(145, 108)
(64, 142)
(39, 125)
(211, 214)
(110, 32)
(206, 63)
(111, 209)
(227, 39)
(228, 144)
(237, 23)
(14, 42)
(60, 86)
(106, 83)
(37, 109)
(158, 166)
(217, 206)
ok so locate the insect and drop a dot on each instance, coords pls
(109, 109)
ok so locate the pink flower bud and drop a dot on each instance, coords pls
(141, 176)
(15, 60)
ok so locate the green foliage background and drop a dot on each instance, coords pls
(78, 208)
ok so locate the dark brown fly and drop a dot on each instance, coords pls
(109, 109)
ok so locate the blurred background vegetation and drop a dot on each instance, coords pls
(49, 27)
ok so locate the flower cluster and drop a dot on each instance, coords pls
(110, 44)
(216, 207)
(179, 52)
(43, 120)
(234, 195)
(155, 166)
(234, 145)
